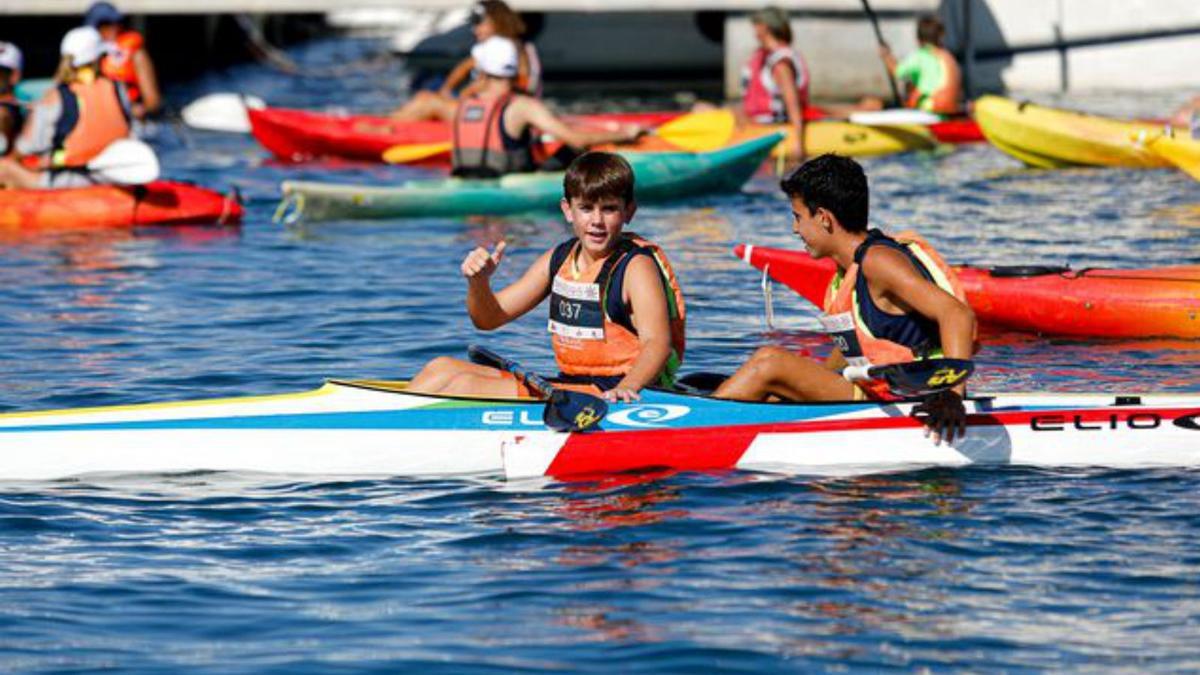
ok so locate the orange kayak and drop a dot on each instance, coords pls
(1108, 303)
(111, 206)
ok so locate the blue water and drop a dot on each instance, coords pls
(998, 569)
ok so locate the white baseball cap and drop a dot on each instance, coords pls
(10, 56)
(84, 45)
(496, 56)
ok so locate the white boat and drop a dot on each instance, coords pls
(366, 428)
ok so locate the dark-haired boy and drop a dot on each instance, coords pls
(616, 311)
(893, 300)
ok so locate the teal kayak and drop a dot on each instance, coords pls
(661, 176)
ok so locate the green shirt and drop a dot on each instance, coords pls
(924, 69)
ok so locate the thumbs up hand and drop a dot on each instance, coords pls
(480, 263)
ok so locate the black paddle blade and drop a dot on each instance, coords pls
(925, 377)
(573, 411)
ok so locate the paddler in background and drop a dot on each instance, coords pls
(1187, 118)
(493, 129)
(489, 18)
(931, 73)
(73, 123)
(126, 59)
(893, 300)
(617, 314)
(11, 112)
(775, 80)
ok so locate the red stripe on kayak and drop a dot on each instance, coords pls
(712, 448)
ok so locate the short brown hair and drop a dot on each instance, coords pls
(508, 23)
(599, 175)
(930, 30)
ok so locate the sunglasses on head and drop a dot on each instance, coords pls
(478, 14)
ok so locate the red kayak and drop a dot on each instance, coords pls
(957, 130)
(1108, 303)
(111, 206)
(300, 135)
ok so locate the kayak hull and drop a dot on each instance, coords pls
(1051, 138)
(301, 135)
(111, 206)
(843, 138)
(660, 177)
(376, 428)
(1108, 303)
(1181, 151)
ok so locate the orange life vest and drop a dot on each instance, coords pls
(481, 147)
(117, 64)
(945, 100)
(588, 340)
(844, 322)
(94, 114)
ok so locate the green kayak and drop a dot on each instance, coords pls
(661, 176)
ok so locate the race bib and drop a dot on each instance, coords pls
(840, 328)
(575, 310)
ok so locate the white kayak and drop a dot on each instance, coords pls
(368, 428)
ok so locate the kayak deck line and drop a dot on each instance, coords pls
(376, 427)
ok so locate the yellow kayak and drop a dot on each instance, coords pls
(1179, 150)
(1050, 138)
(844, 138)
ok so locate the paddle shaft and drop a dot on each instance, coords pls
(879, 38)
(486, 357)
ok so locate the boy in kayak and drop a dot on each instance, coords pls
(73, 123)
(494, 127)
(931, 73)
(892, 300)
(616, 310)
(126, 59)
(11, 113)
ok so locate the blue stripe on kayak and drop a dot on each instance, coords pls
(649, 415)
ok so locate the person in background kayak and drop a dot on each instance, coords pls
(73, 123)
(11, 112)
(126, 59)
(931, 74)
(775, 80)
(893, 300)
(490, 18)
(617, 316)
(1187, 118)
(493, 129)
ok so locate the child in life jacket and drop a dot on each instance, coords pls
(494, 130)
(72, 123)
(616, 316)
(11, 113)
(893, 300)
(126, 59)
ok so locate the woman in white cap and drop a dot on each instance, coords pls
(493, 127)
(489, 18)
(72, 124)
(11, 112)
